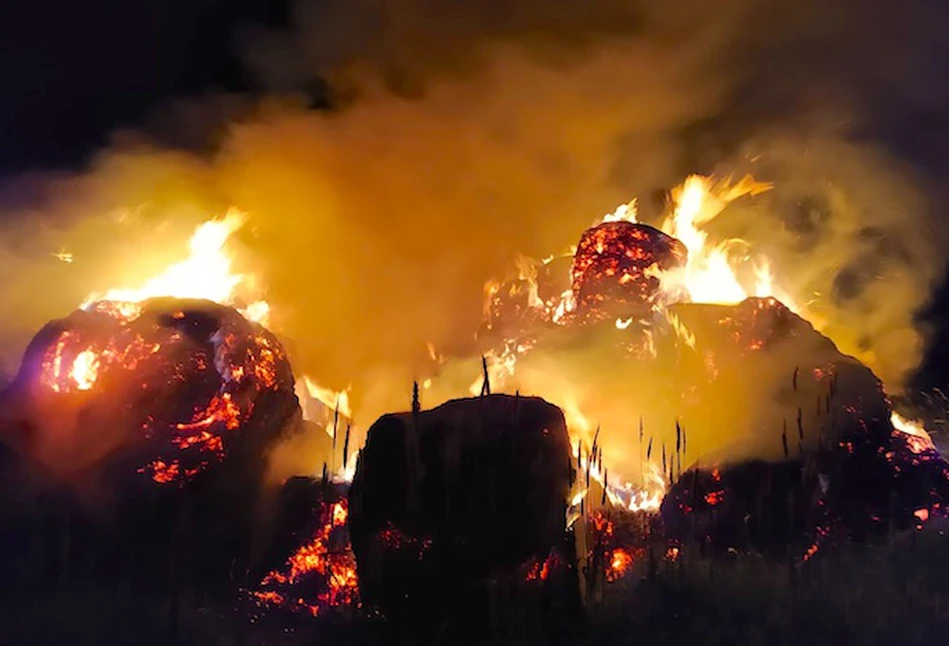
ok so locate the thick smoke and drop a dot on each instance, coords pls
(463, 134)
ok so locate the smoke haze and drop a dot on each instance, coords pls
(462, 135)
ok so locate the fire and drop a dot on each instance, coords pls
(205, 274)
(539, 570)
(319, 559)
(221, 409)
(917, 437)
(332, 400)
(647, 496)
(340, 514)
(710, 274)
(85, 368)
(623, 213)
(332, 410)
(620, 561)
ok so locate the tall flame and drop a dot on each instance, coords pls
(206, 273)
(917, 437)
(710, 274)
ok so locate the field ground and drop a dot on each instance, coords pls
(867, 596)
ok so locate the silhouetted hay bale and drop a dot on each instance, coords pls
(858, 490)
(446, 501)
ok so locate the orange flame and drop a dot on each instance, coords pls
(337, 567)
(205, 274)
(917, 437)
(710, 275)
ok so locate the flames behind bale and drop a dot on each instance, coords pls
(447, 502)
(163, 390)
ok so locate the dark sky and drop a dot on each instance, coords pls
(73, 71)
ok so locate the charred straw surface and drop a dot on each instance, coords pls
(149, 468)
(447, 504)
(611, 268)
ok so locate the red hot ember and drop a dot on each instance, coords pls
(616, 266)
(170, 384)
(321, 573)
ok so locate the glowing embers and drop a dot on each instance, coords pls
(174, 385)
(72, 364)
(321, 573)
(917, 439)
(616, 267)
(757, 322)
(614, 544)
(540, 569)
(620, 561)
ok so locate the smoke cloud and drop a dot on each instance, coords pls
(463, 134)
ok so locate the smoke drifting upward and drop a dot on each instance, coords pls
(463, 134)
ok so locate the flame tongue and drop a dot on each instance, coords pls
(710, 274)
(917, 438)
(205, 274)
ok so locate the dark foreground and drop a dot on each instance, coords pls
(889, 594)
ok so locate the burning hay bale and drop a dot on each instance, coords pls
(858, 489)
(617, 265)
(802, 435)
(170, 387)
(840, 465)
(149, 425)
(447, 501)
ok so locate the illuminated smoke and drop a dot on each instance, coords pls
(461, 138)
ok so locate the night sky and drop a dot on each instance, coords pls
(94, 66)
(75, 71)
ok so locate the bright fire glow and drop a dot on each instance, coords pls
(620, 560)
(710, 273)
(623, 213)
(330, 399)
(331, 409)
(645, 497)
(85, 369)
(205, 274)
(917, 437)
(317, 559)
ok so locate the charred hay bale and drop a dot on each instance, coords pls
(447, 499)
(170, 387)
(767, 507)
(613, 271)
(833, 466)
(857, 490)
(148, 425)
